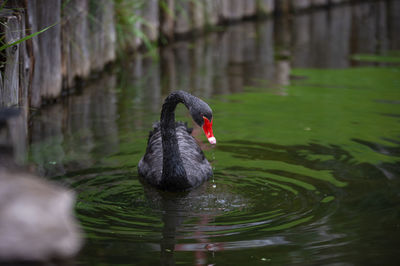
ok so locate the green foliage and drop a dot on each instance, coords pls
(129, 25)
(30, 36)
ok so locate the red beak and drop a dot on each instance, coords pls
(207, 127)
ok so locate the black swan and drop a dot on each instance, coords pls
(173, 160)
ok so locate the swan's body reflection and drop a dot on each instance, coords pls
(175, 209)
(203, 205)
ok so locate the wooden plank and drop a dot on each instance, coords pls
(182, 19)
(250, 8)
(18, 125)
(212, 11)
(25, 71)
(18, 9)
(167, 15)
(46, 63)
(150, 13)
(75, 47)
(10, 90)
(197, 14)
(232, 10)
(265, 7)
(102, 34)
(134, 40)
(298, 5)
(127, 15)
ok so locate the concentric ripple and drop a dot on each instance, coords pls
(257, 204)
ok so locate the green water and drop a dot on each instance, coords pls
(306, 167)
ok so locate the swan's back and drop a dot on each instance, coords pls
(198, 169)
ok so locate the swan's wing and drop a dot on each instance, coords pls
(150, 166)
(197, 167)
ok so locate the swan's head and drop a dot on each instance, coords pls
(202, 115)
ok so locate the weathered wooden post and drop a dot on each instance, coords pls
(197, 14)
(182, 19)
(167, 14)
(212, 11)
(102, 34)
(232, 10)
(9, 87)
(299, 5)
(190, 16)
(150, 13)
(128, 22)
(265, 7)
(23, 77)
(46, 50)
(250, 8)
(75, 46)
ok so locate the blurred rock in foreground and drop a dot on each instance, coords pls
(36, 217)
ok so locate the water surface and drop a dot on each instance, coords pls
(306, 169)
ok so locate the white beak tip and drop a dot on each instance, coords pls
(212, 140)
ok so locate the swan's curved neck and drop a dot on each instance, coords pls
(174, 173)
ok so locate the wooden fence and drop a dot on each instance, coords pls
(84, 38)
